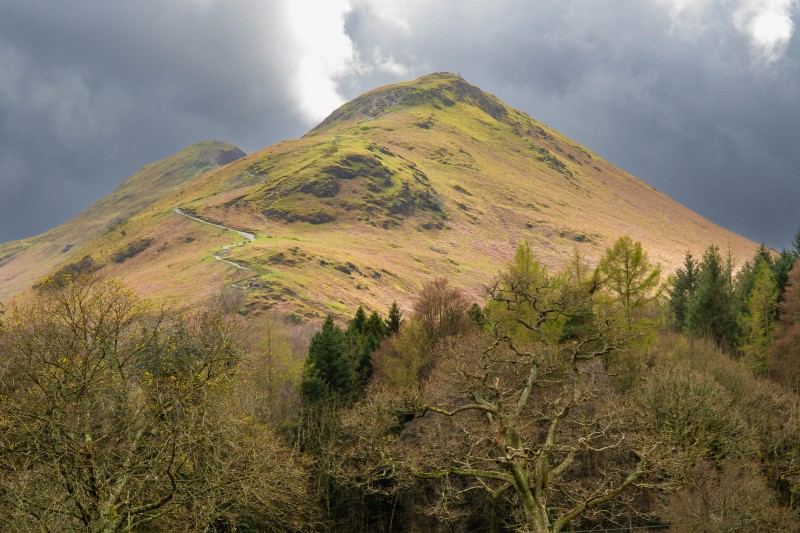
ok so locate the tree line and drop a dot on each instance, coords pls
(591, 397)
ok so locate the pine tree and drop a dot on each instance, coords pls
(759, 321)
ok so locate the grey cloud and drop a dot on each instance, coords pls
(685, 110)
(91, 90)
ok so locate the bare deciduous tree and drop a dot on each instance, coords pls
(115, 416)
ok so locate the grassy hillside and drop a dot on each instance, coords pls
(23, 262)
(425, 178)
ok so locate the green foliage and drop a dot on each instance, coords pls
(527, 294)
(759, 321)
(395, 319)
(405, 358)
(682, 288)
(327, 371)
(628, 274)
(781, 266)
(710, 311)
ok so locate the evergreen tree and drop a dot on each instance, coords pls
(375, 327)
(359, 321)
(327, 371)
(746, 277)
(758, 323)
(710, 313)
(682, 289)
(364, 335)
(781, 266)
(395, 319)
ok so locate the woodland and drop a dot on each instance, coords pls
(607, 397)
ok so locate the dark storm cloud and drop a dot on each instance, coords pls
(90, 91)
(685, 103)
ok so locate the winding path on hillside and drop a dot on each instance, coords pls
(248, 236)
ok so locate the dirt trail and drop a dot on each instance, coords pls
(248, 236)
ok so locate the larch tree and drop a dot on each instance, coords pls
(758, 323)
(628, 274)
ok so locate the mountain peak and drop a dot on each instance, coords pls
(437, 91)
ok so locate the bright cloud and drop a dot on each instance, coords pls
(323, 53)
(768, 24)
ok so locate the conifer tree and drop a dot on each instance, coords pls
(758, 323)
(626, 271)
(781, 266)
(359, 320)
(395, 319)
(710, 313)
(327, 370)
(682, 290)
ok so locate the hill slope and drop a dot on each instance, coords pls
(425, 178)
(23, 262)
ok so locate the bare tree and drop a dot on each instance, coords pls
(441, 308)
(527, 411)
(116, 416)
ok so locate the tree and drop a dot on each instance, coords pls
(395, 319)
(759, 321)
(327, 371)
(509, 410)
(710, 312)
(784, 354)
(116, 416)
(442, 309)
(626, 271)
(682, 289)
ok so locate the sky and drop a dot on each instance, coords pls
(700, 98)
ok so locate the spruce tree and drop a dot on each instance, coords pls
(710, 313)
(682, 290)
(359, 320)
(327, 371)
(395, 319)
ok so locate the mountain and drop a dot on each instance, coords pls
(431, 177)
(23, 262)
